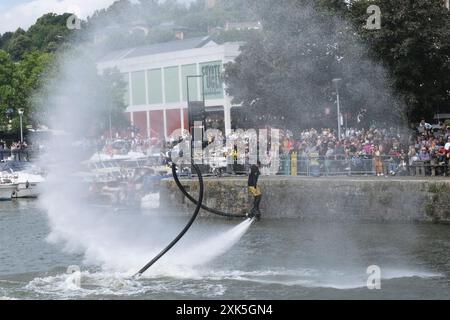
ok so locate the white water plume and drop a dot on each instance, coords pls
(77, 102)
(126, 242)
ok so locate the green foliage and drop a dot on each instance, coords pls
(18, 46)
(46, 35)
(80, 99)
(11, 96)
(48, 31)
(29, 72)
(18, 81)
(162, 17)
(286, 72)
(414, 44)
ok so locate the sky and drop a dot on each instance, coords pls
(24, 13)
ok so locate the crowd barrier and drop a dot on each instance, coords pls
(294, 165)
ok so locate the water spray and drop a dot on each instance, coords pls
(192, 199)
(199, 205)
(189, 224)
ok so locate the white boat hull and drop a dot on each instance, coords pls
(6, 191)
(22, 191)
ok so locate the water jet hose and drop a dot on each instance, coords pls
(186, 228)
(187, 195)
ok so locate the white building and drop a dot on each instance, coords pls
(157, 77)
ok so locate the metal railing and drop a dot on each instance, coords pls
(290, 165)
(16, 154)
(358, 165)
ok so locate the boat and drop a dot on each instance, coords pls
(7, 187)
(28, 185)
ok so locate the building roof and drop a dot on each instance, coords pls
(177, 45)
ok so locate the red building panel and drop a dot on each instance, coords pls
(157, 124)
(140, 121)
(173, 117)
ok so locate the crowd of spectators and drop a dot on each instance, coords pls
(380, 151)
(17, 151)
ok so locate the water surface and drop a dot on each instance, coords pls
(274, 259)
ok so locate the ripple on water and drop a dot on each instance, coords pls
(206, 284)
(63, 286)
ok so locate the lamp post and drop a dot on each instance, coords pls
(20, 111)
(336, 84)
(196, 112)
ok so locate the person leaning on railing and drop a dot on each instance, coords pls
(378, 161)
(402, 169)
(393, 161)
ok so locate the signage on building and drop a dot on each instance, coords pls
(212, 79)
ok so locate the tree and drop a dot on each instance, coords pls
(76, 99)
(414, 45)
(18, 46)
(11, 97)
(47, 34)
(4, 39)
(285, 72)
(50, 29)
(32, 70)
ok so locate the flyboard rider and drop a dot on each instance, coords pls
(254, 190)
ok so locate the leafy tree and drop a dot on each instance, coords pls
(11, 97)
(123, 14)
(284, 74)
(18, 46)
(47, 35)
(50, 29)
(4, 39)
(33, 70)
(78, 99)
(414, 44)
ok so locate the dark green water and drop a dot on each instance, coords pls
(285, 259)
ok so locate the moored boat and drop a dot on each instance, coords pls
(7, 187)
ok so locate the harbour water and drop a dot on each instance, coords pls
(273, 259)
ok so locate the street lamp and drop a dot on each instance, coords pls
(20, 111)
(336, 84)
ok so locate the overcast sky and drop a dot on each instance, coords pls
(23, 13)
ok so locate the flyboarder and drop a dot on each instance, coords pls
(254, 190)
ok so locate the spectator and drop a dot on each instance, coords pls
(412, 155)
(378, 162)
(424, 126)
(424, 155)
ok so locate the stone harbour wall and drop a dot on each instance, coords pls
(334, 199)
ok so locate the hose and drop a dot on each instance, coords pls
(187, 195)
(189, 224)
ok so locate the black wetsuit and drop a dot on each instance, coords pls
(253, 176)
(253, 182)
